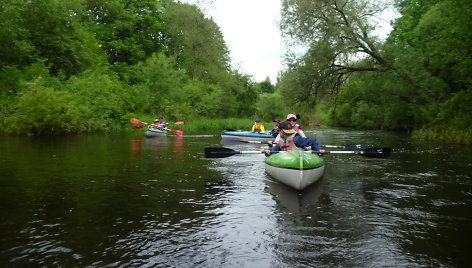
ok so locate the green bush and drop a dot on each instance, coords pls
(44, 110)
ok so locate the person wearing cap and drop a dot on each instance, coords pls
(293, 119)
(159, 123)
(288, 139)
(275, 131)
(258, 127)
(155, 124)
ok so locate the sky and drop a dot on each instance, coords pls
(251, 33)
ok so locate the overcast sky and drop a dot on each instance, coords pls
(251, 33)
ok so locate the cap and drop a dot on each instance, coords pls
(291, 116)
(258, 120)
(286, 127)
(276, 120)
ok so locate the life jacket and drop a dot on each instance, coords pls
(258, 128)
(287, 144)
(161, 125)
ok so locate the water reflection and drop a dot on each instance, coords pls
(297, 202)
(129, 201)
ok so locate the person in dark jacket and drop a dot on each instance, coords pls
(288, 140)
(275, 131)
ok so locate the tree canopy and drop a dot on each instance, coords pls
(405, 82)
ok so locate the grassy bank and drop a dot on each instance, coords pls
(447, 135)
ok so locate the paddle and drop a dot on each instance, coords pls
(346, 146)
(222, 152)
(368, 152)
(175, 131)
(137, 121)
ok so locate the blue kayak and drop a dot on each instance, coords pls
(246, 136)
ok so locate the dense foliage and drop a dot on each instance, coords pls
(418, 79)
(89, 65)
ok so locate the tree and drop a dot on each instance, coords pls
(196, 42)
(336, 32)
(266, 86)
(49, 32)
(128, 31)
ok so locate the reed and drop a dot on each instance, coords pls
(448, 135)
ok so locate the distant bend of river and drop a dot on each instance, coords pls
(124, 200)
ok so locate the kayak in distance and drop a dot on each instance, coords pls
(246, 136)
(155, 132)
(297, 169)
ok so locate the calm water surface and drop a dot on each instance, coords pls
(129, 201)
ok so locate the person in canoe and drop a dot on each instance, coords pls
(159, 124)
(293, 119)
(288, 139)
(258, 127)
(275, 131)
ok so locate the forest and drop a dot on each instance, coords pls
(81, 66)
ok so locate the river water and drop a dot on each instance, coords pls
(129, 201)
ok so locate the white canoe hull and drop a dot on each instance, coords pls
(298, 179)
(155, 133)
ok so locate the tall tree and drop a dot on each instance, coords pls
(336, 32)
(46, 31)
(128, 30)
(197, 43)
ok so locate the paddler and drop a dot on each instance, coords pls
(258, 127)
(160, 124)
(293, 119)
(275, 131)
(288, 139)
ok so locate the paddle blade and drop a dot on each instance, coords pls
(138, 126)
(376, 152)
(219, 152)
(134, 120)
(179, 123)
(178, 132)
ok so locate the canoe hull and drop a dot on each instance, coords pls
(245, 136)
(296, 169)
(152, 132)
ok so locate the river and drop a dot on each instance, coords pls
(123, 200)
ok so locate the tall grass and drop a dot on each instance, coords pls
(448, 135)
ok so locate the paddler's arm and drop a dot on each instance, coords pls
(307, 142)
